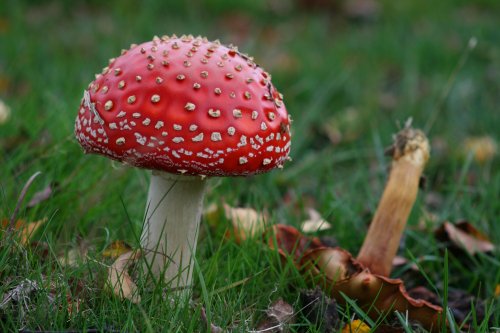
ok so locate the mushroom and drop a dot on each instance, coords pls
(410, 153)
(188, 109)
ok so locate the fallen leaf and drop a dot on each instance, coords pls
(119, 281)
(40, 196)
(315, 222)
(465, 236)
(116, 249)
(320, 309)
(75, 256)
(25, 230)
(482, 148)
(247, 222)
(402, 261)
(497, 290)
(278, 315)
(4, 112)
(356, 326)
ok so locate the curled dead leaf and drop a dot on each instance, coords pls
(40, 196)
(119, 281)
(315, 222)
(246, 222)
(465, 236)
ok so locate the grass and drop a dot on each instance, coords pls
(359, 78)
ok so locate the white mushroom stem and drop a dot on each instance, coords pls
(170, 232)
(410, 153)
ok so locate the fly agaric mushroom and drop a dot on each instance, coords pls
(186, 108)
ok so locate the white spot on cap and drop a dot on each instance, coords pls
(113, 126)
(271, 115)
(255, 114)
(120, 141)
(237, 113)
(121, 114)
(190, 106)
(266, 161)
(243, 160)
(131, 99)
(214, 113)
(155, 98)
(198, 138)
(178, 139)
(159, 124)
(193, 127)
(216, 136)
(136, 115)
(164, 133)
(243, 141)
(108, 105)
(231, 130)
(263, 126)
(177, 127)
(146, 122)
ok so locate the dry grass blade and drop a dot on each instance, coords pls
(20, 200)
(119, 281)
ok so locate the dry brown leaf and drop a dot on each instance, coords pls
(116, 249)
(278, 315)
(497, 290)
(4, 112)
(247, 222)
(119, 281)
(482, 148)
(25, 230)
(356, 326)
(315, 222)
(40, 196)
(465, 236)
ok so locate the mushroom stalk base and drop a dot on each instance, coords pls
(410, 153)
(170, 232)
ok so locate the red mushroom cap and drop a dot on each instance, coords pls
(187, 106)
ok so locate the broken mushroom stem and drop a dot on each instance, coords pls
(410, 152)
(170, 232)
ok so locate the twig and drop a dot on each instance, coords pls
(20, 200)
